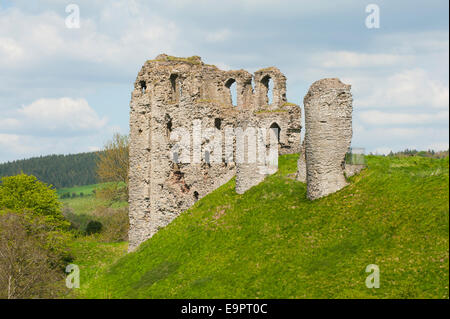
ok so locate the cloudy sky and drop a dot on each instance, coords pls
(66, 90)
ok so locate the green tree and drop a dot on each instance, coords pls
(112, 167)
(26, 193)
(32, 256)
(59, 170)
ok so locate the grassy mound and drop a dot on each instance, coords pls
(271, 242)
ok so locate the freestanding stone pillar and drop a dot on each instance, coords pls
(328, 122)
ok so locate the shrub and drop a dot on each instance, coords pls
(78, 222)
(113, 192)
(93, 227)
(33, 256)
(65, 195)
(114, 222)
(26, 193)
(113, 163)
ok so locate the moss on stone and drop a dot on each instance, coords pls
(196, 60)
(288, 104)
(192, 60)
(269, 111)
(270, 68)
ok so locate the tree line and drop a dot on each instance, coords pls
(57, 170)
(413, 152)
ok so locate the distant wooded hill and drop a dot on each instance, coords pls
(58, 170)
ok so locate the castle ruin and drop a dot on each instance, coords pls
(185, 99)
(328, 134)
(187, 137)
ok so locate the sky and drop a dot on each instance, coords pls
(67, 90)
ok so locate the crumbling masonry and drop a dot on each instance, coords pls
(328, 134)
(183, 99)
(172, 93)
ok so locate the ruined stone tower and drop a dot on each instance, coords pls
(328, 134)
(183, 99)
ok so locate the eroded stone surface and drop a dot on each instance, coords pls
(301, 165)
(171, 93)
(328, 134)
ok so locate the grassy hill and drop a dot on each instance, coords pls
(271, 242)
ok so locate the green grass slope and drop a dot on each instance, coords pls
(86, 204)
(87, 190)
(271, 242)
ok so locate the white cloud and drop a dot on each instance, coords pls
(384, 118)
(408, 88)
(65, 116)
(11, 143)
(222, 66)
(349, 59)
(384, 139)
(10, 51)
(414, 42)
(14, 146)
(390, 71)
(114, 38)
(218, 36)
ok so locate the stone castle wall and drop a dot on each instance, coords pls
(184, 93)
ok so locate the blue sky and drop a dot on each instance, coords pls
(67, 90)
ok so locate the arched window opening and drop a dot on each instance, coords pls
(175, 86)
(231, 85)
(270, 92)
(218, 123)
(268, 86)
(143, 86)
(168, 125)
(275, 129)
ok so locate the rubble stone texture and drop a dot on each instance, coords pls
(256, 137)
(328, 134)
(172, 93)
(301, 164)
